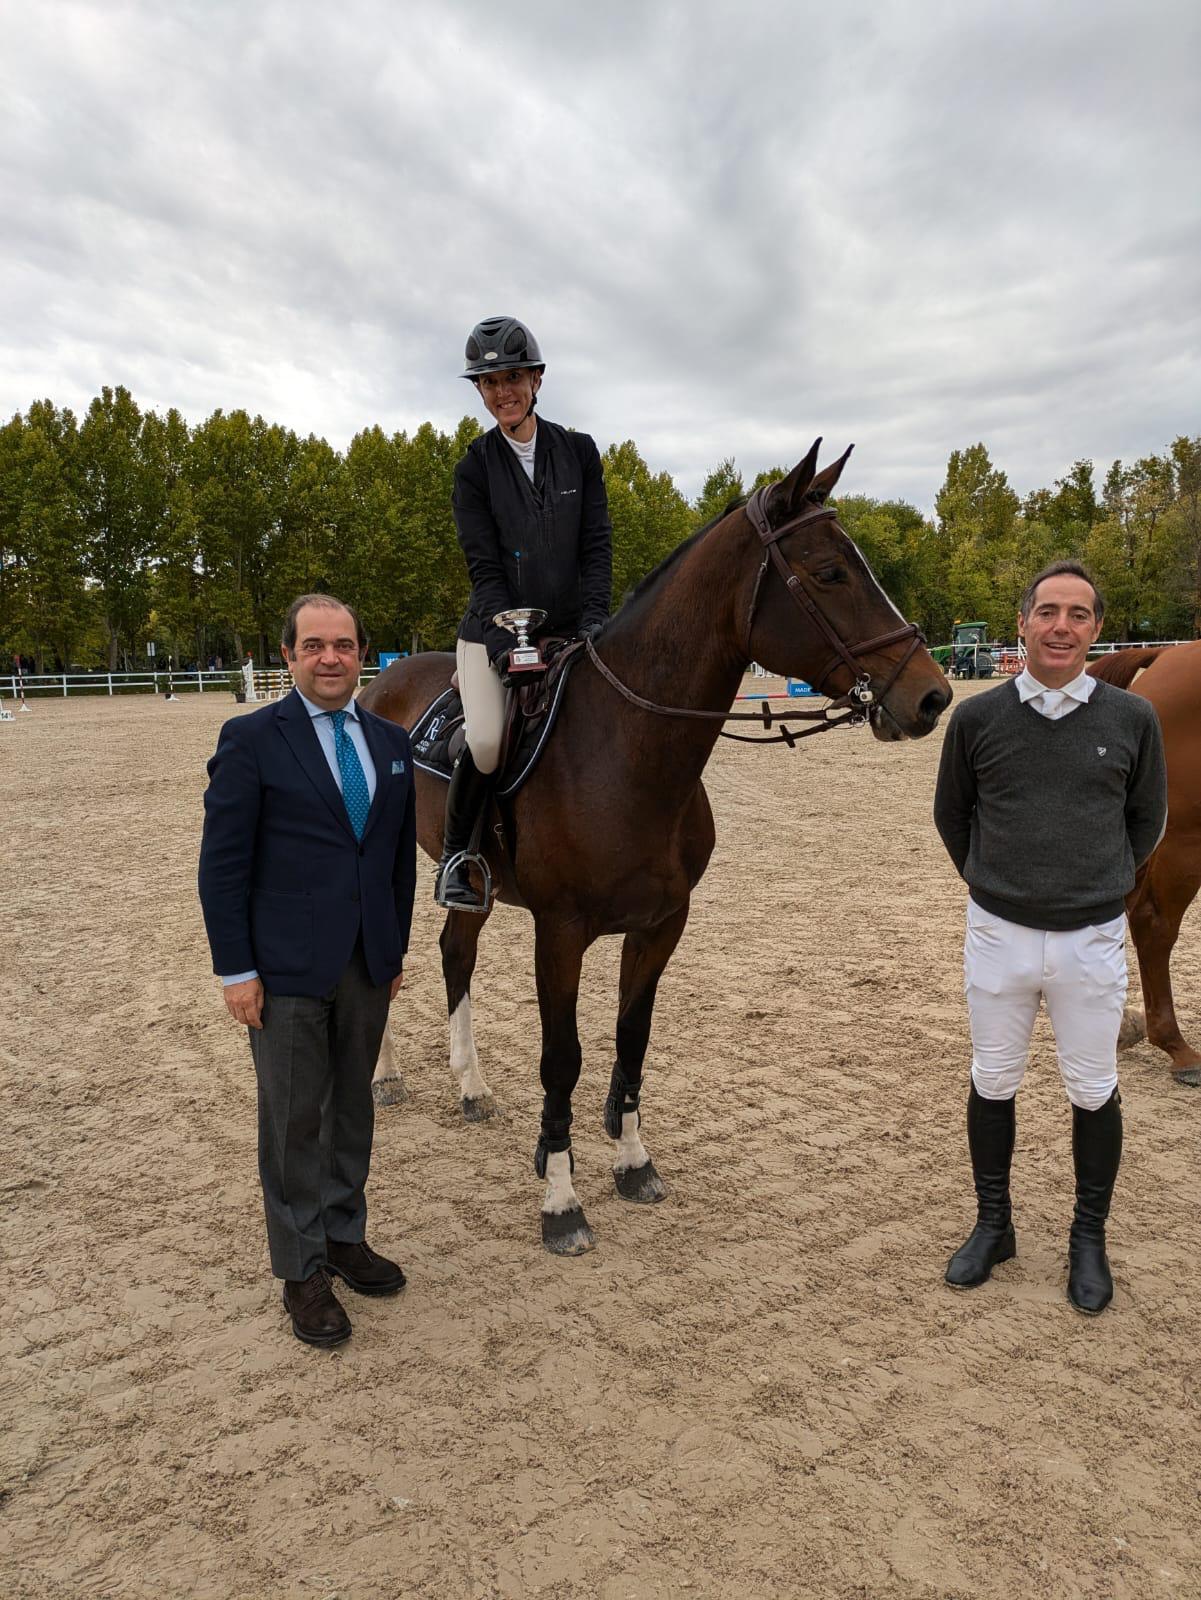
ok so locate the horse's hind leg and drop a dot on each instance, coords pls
(1167, 891)
(558, 956)
(643, 958)
(459, 942)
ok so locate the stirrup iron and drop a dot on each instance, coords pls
(461, 858)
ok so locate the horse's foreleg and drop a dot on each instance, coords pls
(1165, 894)
(643, 958)
(387, 1084)
(558, 956)
(459, 942)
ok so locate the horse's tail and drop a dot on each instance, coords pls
(1121, 667)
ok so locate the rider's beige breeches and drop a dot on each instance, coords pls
(483, 704)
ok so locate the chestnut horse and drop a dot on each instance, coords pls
(1168, 882)
(613, 830)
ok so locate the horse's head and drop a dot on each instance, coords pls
(814, 609)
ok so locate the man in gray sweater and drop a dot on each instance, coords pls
(1051, 793)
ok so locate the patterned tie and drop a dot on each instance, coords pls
(354, 783)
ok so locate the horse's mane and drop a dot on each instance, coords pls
(645, 585)
(1121, 667)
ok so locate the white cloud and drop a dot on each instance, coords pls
(731, 227)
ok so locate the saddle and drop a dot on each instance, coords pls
(531, 711)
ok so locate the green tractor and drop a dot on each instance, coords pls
(969, 654)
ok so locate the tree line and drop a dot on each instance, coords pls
(129, 527)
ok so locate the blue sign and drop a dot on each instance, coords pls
(387, 657)
(798, 686)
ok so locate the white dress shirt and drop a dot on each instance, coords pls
(1054, 703)
(323, 726)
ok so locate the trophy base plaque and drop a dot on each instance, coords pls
(524, 656)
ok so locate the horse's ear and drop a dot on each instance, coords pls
(788, 495)
(822, 485)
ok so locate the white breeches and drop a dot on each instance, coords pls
(1008, 969)
(483, 705)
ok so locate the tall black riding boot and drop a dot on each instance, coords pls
(465, 800)
(1097, 1154)
(991, 1127)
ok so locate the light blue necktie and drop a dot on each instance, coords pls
(354, 783)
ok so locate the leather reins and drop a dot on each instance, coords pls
(858, 699)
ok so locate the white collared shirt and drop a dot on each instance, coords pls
(1054, 703)
(524, 452)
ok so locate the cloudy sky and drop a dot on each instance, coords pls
(733, 226)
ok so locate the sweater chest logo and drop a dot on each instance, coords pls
(1101, 749)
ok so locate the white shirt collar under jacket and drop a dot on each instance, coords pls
(524, 452)
(316, 711)
(1054, 703)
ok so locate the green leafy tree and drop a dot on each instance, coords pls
(1130, 550)
(723, 485)
(120, 504)
(649, 515)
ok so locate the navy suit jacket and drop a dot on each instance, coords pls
(285, 885)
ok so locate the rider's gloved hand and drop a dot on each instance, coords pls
(590, 630)
(500, 665)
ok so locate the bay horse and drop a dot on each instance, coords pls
(1168, 881)
(613, 830)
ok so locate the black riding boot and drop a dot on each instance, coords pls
(465, 800)
(991, 1126)
(1097, 1153)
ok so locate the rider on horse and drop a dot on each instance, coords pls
(533, 522)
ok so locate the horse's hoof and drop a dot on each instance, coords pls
(389, 1091)
(481, 1108)
(1190, 1076)
(566, 1233)
(642, 1185)
(1133, 1029)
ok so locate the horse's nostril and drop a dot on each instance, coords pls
(934, 704)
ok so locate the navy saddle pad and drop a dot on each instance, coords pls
(437, 736)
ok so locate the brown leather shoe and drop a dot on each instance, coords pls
(317, 1317)
(360, 1267)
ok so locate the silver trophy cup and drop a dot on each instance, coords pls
(524, 656)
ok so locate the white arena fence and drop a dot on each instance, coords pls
(268, 683)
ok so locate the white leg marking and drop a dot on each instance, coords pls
(464, 1062)
(631, 1152)
(560, 1193)
(385, 1066)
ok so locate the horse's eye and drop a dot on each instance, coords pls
(832, 575)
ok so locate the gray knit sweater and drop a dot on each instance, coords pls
(1048, 820)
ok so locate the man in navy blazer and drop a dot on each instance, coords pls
(307, 870)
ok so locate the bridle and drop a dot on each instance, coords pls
(858, 699)
(756, 514)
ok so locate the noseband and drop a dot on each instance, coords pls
(860, 693)
(858, 699)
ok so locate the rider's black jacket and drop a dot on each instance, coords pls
(548, 543)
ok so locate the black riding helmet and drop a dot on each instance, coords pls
(499, 343)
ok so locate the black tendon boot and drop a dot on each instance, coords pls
(465, 800)
(990, 1133)
(1096, 1152)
